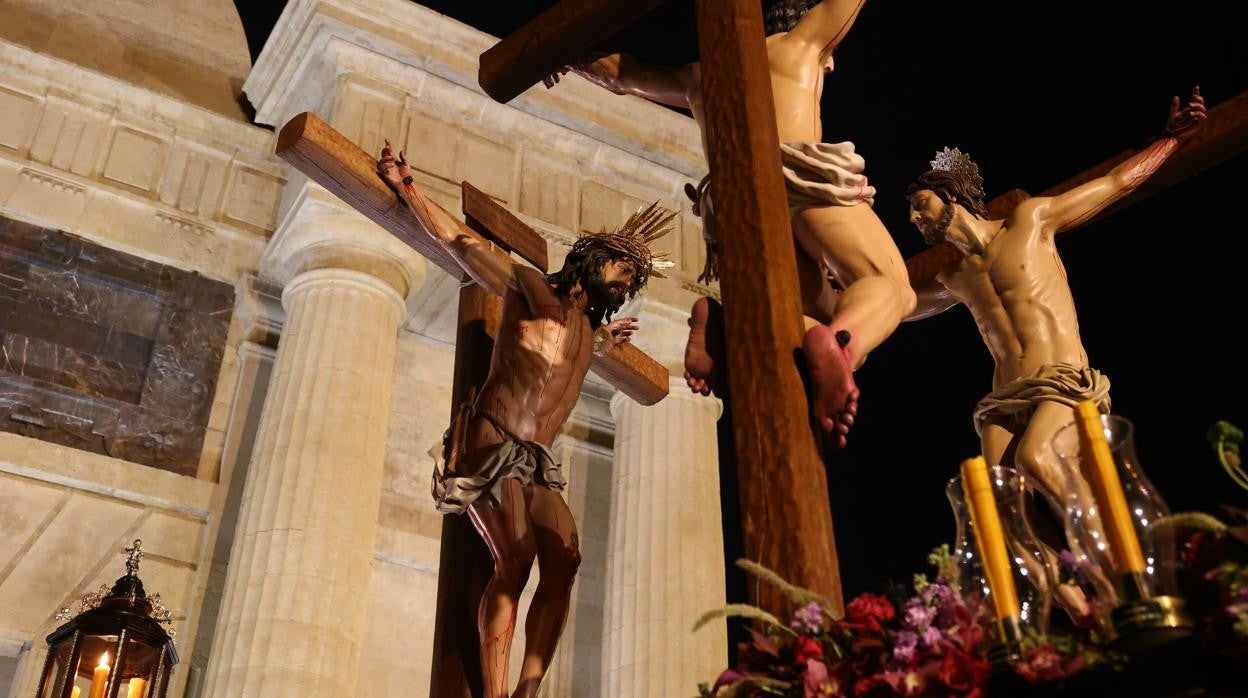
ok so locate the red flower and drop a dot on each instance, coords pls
(870, 611)
(962, 671)
(1044, 663)
(807, 648)
(875, 683)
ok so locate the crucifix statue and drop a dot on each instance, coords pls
(1009, 275)
(500, 469)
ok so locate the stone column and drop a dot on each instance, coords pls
(300, 567)
(665, 556)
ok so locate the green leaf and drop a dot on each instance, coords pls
(796, 594)
(739, 610)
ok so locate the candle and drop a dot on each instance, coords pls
(1102, 474)
(77, 693)
(100, 680)
(136, 688)
(989, 537)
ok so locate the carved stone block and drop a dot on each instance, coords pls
(107, 352)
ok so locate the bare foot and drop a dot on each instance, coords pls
(835, 396)
(704, 352)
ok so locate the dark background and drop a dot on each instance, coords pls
(1036, 93)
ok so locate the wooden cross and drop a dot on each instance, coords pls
(783, 489)
(331, 160)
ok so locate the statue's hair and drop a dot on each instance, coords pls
(583, 266)
(953, 187)
(783, 15)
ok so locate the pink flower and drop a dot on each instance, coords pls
(919, 616)
(808, 618)
(904, 647)
(817, 682)
(870, 611)
(931, 637)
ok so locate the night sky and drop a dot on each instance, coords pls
(1035, 97)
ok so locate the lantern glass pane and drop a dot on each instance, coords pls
(97, 660)
(55, 683)
(139, 670)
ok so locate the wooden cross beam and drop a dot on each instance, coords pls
(1224, 135)
(328, 158)
(549, 42)
(783, 488)
(464, 561)
(786, 515)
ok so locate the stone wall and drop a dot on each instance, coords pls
(192, 50)
(138, 189)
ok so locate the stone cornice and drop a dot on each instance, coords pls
(133, 169)
(421, 38)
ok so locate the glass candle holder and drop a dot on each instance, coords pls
(1017, 584)
(1116, 521)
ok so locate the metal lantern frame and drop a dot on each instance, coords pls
(132, 620)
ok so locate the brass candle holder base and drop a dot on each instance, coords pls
(1142, 624)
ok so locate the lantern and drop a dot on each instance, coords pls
(115, 646)
(1120, 523)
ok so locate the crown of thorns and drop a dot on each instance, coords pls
(956, 162)
(632, 241)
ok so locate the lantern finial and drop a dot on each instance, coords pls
(133, 556)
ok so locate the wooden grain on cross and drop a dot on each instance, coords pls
(331, 160)
(464, 562)
(559, 36)
(783, 489)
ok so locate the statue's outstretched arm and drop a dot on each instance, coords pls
(625, 75)
(1071, 209)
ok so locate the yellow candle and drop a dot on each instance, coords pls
(1098, 467)
(77, 693)
(136, 688)
(100, 680)
(989, 536)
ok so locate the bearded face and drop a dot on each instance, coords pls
(610, 283)
(931, 215)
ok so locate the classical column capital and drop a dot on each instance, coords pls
(319, 232)
(258, 311)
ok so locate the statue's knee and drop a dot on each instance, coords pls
(567, 561)
(513, 569)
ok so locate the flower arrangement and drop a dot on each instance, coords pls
(933, 642)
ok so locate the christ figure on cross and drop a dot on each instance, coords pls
(840, 238)
(500, 468)
(1012, 280)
